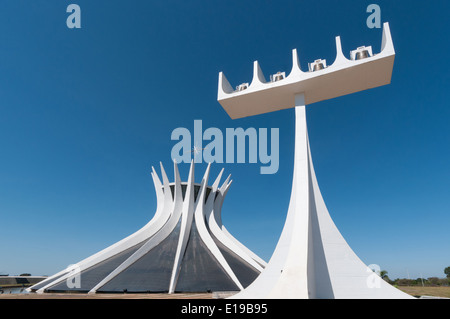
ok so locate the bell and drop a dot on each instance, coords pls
(278, 77)
(362, 55)
(242, 87)
(318, 66)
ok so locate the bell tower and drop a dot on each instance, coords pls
(312, 259)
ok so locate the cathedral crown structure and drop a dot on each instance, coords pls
(183, 248)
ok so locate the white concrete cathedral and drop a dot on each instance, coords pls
(312, 259)
(184, 248)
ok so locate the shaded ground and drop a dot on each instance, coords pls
(426, 291)
(107, 296)
(414, 291)
(19, 281)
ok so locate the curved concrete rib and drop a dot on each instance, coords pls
(228, 239)
(347, 277)
(296, 70)
(258, 75)
(214, 220)
(172, 203)
(224, 84)
(387, 45)
(186, 224)
(153, 226)
(340, 57)
(206, 237)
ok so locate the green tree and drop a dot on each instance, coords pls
(385, 277)
(447, 272)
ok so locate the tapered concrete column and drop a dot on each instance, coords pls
(293, 248)
(312, 258)
(286, 275)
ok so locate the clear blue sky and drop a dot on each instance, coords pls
(85, 113)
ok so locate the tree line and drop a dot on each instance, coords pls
(431, 281)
